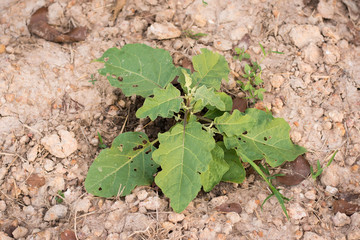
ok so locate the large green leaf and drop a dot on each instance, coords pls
(236, 172)
(214, 112)
(217, 168)
(261, 136)
(122, 167)
(208, 97)
(183, 154)
(138, 69)
(210, 68)
(164, 103)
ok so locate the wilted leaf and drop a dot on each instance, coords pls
(229, 207)
(39, 26)
(35, 181)
(344, 206)
(122, 167)
(184, 154)
(295, 172)
(210, 68)
(259, 136)
(68, 235)
(165, 103)
(217, 168)
(138, 69)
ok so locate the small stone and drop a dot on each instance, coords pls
(250, 206)
(55, 212)
(142, 195)
(336, 116)
(200, 20)
(277, 80)
(19, 232)
(162, 31)
(165, 16)
(24, 140)
(136, 222)
(354, 235)
(238, 33)
(326, 8)
(206, 234)
(311, 195)
(302, 35)
(152, 2)
(327, 125)
(130, 198)
(227, 229)
(94, 142)
(154, 203)
(176, 217)
(168, 225)
(297, 83)
(355, 220)
(341, 219)
(233, 217)
(305, 68)
(177, 44)
(330, 176)
(48, 165)
(312, 236)
(295, 136)
(122, 103)
(2, 206)
(32, 153)
(297, 212)
(2, 48)
(83, 205)
(223, 44)
(62, 146)
(217, 201)
(4, 236)
(331, 54)
(312, 53)
(55, 13)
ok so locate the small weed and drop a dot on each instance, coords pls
(319, 168)
(93, 79)
(101, 145)
(59, 199)
(191, 34)
(205, 3)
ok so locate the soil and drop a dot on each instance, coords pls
(51, 112)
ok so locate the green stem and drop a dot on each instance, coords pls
(273, 189)
(204, 119)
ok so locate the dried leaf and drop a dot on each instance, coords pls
(239, 104)
(39, 26)
(67, 235)
(119, 4)
(343, 206)
(35, 181)
(229, 207)
(296, 172)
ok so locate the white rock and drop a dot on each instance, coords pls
(130, 198)
(296, 211)
(19, 232)
(250, 206)
(302, 35)
(136, 222)
(331, 54)
(355, 220)
(312, 53)
(206, 234)
(233, 217)
(154, 203)
(49, 165)
(176, 217)
(163, 31)
(2, 206)
(326, 8)
(336, 116)
(142, 195)
(312, 236)
(200, 20)
(4, 236)
(217, 201)
(223, 44)
(56, 183)
(295, 136)
(330, 176)
(55, 13)
(296, 82)
(152, 2)
(227, 229)
(177, 44)
(165, 15)
(340, 219)
(305, 68)
(277, 80)
(354, 235)
(32, 153)
(55, 212)
(24, 140)
(238, 33)
(83, 205)
(311, 195)
(62, 146)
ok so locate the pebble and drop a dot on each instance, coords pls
(312, 236)
(223, 44)
(2, 48)
(250, 206)
(19, 232)
(130, 198)
(2, 206)
(49, 165)
(331, 54)
(312, 53)
(341, 219)
(162, 31)
(177, 44)
(302, 35)
(24, 140)
(176, 217)
(233, 217)
(330, 176)
(326, 9)
(277, 80)
(296, 82)
(355, 219)
(295, 136)
(136, 222)
(336, 116)
(32, 153)
(296, 211)
(4, 236)
(165, 16)
(142, 195)
(227, 229)
(83, 205)
(56, 212)
(94, 142)
(62, 146)
(200, 20)
(327, 125)
(152, 2)
(311, 195)
(238, 33)
(217, 201)
(305, 68)
(154, 203)
(354, 235)
(168, 225)
(206, 234)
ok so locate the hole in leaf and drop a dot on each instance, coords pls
(239, 139)
(244, 141)
(106, 59)
(137, 147)
(235, 148)
(135, 169)
(129, 157)
(152, 165)
(132, 162)
(144, 141)
(120, 79)
(140, 136)
(100, 189)
(135, 85)
(113, 76)
(148, 151)
(244, 133)
(265, 139)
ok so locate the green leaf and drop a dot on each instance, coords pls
(183, 154)
(210, 68)
(141, 68)
(165, 103)
(261, 136)
(236, 172)
(262, 49)
(217, 168)
(247, 69)
(208, 97)
(122, 167)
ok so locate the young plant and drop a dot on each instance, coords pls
(319, 168)
(252, 73)
(189, 156)
(191, 34)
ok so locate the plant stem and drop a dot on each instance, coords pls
(204, 119)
